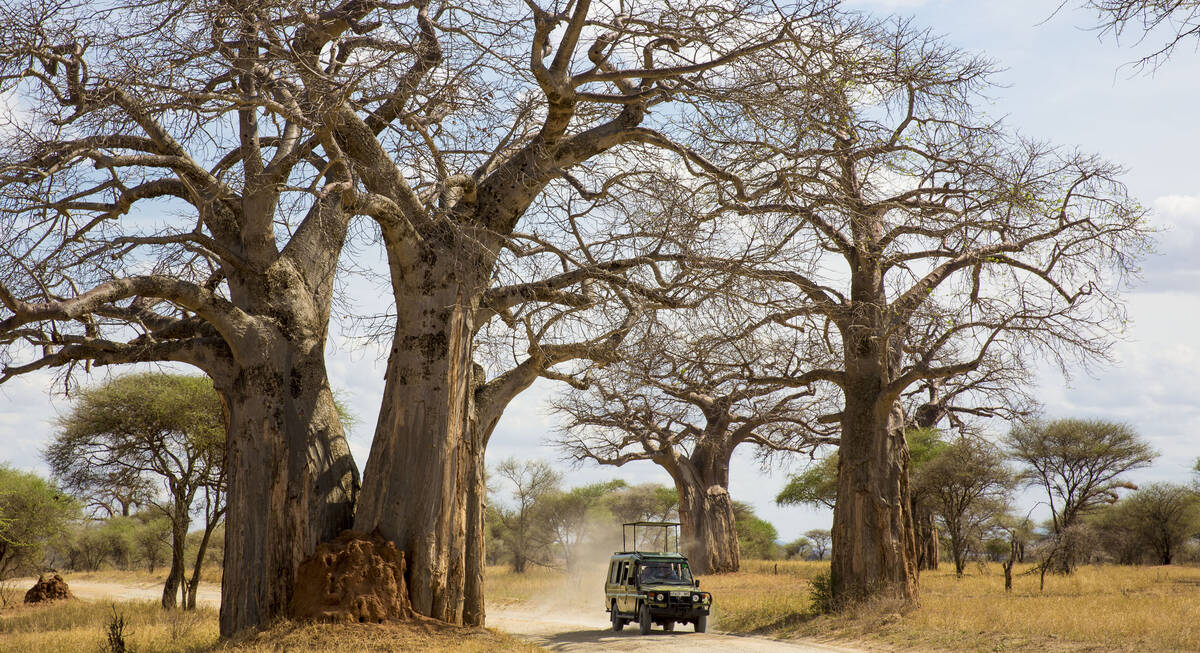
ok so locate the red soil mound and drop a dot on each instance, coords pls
(48, 589)
(355, 578)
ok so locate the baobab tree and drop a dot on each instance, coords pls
(926, 236)
(686, 397)
(556, 89)
(177, 183)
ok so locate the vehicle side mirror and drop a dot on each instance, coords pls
(697, 582)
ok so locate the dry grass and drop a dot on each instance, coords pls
(80, 626)
(353, 638)
(1100, 608)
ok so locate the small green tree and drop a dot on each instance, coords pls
(798, 549)
(33, 514)
(967, 484)
(819, 539)
(1162, 516)
(152, 539)
(572, 513)
(815, 486)
(165, 429)
(644, 502)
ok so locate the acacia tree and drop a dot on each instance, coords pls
(33, 513)
(1079, 463)
(266, 127)
(166, 430)
(925, 238)
(686, 397)
(820, 541)
(1161, 517)
(967, 484)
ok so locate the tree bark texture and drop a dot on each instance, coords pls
(473, 613)
(421, 466)
(709, 532)
(874, 550)
(292, 481)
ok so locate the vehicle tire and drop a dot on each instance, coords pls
(644, 622)
(617, 622)
(669, 626)
(701, 623)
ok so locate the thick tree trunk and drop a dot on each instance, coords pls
(292, 481)
(874, 551)
(710, 537)
(706, 517)
(418, 475)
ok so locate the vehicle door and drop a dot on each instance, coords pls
(628, 600)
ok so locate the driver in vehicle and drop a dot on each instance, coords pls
(660, 574)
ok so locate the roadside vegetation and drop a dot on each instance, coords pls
(1099, 607)
(84, 625)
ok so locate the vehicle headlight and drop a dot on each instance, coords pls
(658, 597)
(695, 598)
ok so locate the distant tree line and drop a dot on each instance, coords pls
(1079, 467)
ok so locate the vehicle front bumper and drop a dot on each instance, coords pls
(681, 607)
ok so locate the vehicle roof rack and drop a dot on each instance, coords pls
(666, 527)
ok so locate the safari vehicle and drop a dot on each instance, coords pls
(650, 582)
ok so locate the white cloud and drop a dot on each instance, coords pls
(1180, 208)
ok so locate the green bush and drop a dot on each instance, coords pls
(820, 593)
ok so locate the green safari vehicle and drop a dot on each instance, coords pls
(652, 584)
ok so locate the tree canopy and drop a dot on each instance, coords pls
(33, 514)
(162, 431)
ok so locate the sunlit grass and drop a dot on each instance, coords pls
(79, 626)
(1110, 608)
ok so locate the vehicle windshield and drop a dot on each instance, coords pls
(665, 573)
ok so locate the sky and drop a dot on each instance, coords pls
(1062, 83)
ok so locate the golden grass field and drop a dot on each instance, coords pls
(79, 627)
(1100, 608)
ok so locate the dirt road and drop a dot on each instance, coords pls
(571, 632)
(555, 631)
(208, 595)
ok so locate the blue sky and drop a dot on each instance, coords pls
(1063, 84)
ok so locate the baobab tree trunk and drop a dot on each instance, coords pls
(874, 551)
(416, 481)
(292, 481)
(706, 517)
